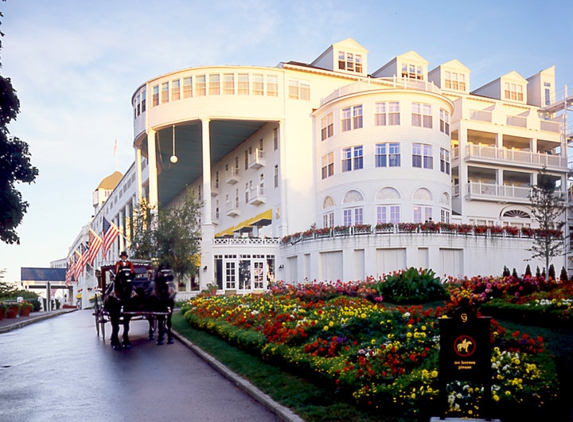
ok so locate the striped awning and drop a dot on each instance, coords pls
(262, 219)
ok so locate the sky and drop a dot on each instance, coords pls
(76, 64)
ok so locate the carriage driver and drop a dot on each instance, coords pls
(123, 263)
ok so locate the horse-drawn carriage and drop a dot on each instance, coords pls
(144, 293)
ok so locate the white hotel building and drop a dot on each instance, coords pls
(274, 151)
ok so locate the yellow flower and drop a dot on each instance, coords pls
(325, 328)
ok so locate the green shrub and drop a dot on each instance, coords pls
(412, 286)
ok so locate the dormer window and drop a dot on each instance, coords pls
(512, 91)
(454, 80)
(412, 71)
(350, 62)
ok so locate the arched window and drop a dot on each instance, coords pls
(353, 213)
(387, 194)
(516, 214)
(445, 198)
(352, 196)
(328, 202)
(422, 194)
(388, 206)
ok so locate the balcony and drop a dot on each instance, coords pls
(257, 196)
(517, 121)
(497, 193)
(233, 210)
(519, 158)
(214, 190)
(257, 160)
(232, 176)
(480, 115)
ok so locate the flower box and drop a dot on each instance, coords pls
(12, 311)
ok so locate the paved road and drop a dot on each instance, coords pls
(59, 370)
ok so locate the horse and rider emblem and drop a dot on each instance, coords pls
(464, 346)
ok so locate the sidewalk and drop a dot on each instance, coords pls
(9, 324)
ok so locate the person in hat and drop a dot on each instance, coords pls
(123, 263)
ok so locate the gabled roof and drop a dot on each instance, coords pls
(348, 43)
(412, 55)
(111, 181)
(42, 274)
(513, 75)
(455, 64)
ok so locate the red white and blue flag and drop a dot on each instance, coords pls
(110, 233)
(94, 245)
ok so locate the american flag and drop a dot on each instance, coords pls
(110, 233)
(81, 263)
(74, 269)
(70, 271)
(94, 246)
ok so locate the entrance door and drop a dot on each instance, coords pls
(258, 274)
(245, 282)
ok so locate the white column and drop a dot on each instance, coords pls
(139, 174)
(152, 159)
(282, 210)
(207, 270)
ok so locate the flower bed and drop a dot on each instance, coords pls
(376, 355)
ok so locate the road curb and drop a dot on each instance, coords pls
(284, 413)
(31, 320)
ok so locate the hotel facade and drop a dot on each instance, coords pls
(324, 171)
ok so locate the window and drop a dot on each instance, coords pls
(356, 122)
(305, 90)
(164, 92)
(276, 138)
(353, 216)
(276, 176)
(387, 113)
(247, 189)
(155, 95)
(243, 84)
(357, 116)
(513, 91)
(444, 216)
(187, 87)
(422, 156)
(422, 214)
(258, 84)
(352, 158)
(387, 155)
(143, 100)
(350, 62)
(412, 71)
(247, 153)
(175, 90)
(388, 214)
(328, 219)
(422, 115)
(454, 80)
(327, 126)
(345, 123)
(272, 86)
(293, 89)
(214, 84)
(394, 113)
(201, 85)
(444, 161)
(228, 84)
(299, 90)
(547, 87)
(444, 121)
(328, 165)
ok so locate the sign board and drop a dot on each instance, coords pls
(465, 351)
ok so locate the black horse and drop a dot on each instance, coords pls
(119, 297)
(162, 301)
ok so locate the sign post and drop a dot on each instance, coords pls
(465, 354)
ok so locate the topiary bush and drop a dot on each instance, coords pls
(412, 286)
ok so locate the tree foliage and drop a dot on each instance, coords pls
(547, 207)
(169, 236)
(15, 165)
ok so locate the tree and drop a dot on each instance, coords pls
(15, 165)
(169, 236)
(547, 207)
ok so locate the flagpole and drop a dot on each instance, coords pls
(115, 153)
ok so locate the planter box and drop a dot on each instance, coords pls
(12, 312)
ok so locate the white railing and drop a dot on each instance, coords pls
(381, 83)
(246, 241)
(479, 190)
(480, 115)
(518, 121)
(515, 156)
